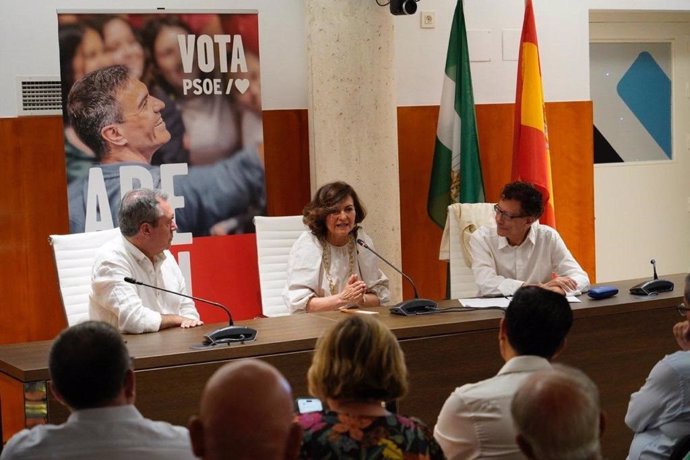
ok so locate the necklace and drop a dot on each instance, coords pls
(326, 261)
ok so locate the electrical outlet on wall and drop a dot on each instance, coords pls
(428, 19)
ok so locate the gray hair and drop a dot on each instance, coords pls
(557, 412)
(92, 105)
(137, 207)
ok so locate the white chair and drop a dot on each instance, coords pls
(462, 220)
(274, 239)
(74, 256)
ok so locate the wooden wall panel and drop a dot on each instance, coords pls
(420, 237)
(33, 204)
(286, 153)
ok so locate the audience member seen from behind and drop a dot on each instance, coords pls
(246, 412)
(519, 250)
(558, 416)
(659, 413)
(357, 365)
(474, 422)
(326, 271)
(91, 374)
(147, 225)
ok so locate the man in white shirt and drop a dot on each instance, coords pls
(475, 420)
(521, 251)
(558, 415)
(91, 374)
(247, 410)
(147, 224)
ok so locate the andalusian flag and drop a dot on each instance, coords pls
(531, 157)
(456, 175)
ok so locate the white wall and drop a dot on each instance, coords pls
(626, 238)
(563, 44)
(28, 43)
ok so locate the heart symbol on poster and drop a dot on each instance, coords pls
(242, 85)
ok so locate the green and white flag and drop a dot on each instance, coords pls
(456, 175)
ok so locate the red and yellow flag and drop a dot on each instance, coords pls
(531, 157)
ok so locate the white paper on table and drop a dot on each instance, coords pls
(486, 302)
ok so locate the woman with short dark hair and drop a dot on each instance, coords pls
(325, 269)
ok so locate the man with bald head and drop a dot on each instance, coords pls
(246, 412)
(558, 416)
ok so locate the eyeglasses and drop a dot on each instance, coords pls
(505, 215)
(682, 309)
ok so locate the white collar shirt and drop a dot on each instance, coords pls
(133, 308)
(475, 420)
(108, 433)
(500, 269)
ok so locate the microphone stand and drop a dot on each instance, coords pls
(406, 307)
(228, 334)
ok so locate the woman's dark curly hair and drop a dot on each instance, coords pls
(325, 202)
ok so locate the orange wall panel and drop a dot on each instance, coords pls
(33, 205)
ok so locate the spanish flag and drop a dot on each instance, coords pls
(531, 157)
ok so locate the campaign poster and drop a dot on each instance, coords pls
(202, 71)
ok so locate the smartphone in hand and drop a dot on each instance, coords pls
(306, 405)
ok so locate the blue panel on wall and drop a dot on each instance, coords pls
(646, 90)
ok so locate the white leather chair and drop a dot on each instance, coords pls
(274, 239)
(74, 256)
(462, 220)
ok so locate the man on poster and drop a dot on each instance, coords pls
(115, 115)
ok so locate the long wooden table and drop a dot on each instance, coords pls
(616, 341)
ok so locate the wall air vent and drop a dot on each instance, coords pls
(39, 96)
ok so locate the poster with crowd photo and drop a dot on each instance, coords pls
(202, 73)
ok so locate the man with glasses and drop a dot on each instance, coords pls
(91, 373)
(518, 250)
(659, 413)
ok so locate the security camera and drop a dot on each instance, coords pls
(403, 7)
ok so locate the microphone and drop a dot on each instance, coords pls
(653, 286)
(415, 306)
(653, 262)
(228, 334)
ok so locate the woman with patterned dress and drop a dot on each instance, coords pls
(358, 366)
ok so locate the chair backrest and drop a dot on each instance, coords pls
(74, 256)
(274, 239)
(463, 219)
